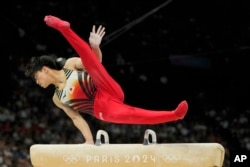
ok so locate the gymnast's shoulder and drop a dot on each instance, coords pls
(74, 63)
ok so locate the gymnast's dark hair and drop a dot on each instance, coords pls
(36, 64)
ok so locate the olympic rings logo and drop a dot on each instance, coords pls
(71, 159)
(176, 158)
(171, 158)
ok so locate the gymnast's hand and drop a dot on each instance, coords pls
(89, 142)
(96, 36)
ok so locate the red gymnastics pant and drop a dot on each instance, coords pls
(108, 103)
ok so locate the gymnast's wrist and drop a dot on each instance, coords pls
(90, 141)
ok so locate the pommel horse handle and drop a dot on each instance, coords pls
(146, 141)
(99, 135)
(146, 137)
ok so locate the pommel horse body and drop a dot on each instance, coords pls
(147, 154)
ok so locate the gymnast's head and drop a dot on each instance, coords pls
(38, 64)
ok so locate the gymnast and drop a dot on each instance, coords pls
(84, 85)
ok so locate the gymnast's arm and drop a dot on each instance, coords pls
(95, 39)
(77, 119)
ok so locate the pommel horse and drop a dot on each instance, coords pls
(148, 154)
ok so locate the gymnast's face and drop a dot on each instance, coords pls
(41, 77)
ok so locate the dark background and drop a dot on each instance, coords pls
(160, 53)
(200, 44)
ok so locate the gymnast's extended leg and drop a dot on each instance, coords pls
(94, 67)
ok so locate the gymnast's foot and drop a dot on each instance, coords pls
(56, 22)
(181, 110)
